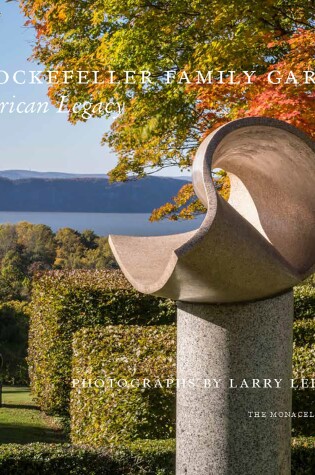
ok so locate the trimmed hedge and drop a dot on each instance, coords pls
(149, 458)
(92, 341)
(115, 412)
(48, 459)
(303, 399)
(304, 355)
(64, 302)
(304, 301)
(304, 332)
(140, 458)
(303, 456)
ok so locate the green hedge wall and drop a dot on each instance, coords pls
(140, 458)
(14, 322)
(303, 456)
(304, 367)
(304, 301)
(110, 415)
(304, 332)
(304, 355)
(91, 341)
(145, 458)
(54, 459)
(62, 303)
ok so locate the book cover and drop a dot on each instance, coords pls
(157, 229)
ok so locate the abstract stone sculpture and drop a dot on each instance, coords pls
(246, 256)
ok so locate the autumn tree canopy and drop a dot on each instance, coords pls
(163, 123)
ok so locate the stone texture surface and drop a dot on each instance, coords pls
(215, 435)
(258, 244)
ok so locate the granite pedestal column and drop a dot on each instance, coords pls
(218, 347)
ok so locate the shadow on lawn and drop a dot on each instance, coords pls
(19, 434)
(21, 422)
(19, 406)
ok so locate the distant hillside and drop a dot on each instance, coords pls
(86, 194)
(21, 174)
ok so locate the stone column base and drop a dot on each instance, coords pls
(221, 346)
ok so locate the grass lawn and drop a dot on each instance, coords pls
(21, 422)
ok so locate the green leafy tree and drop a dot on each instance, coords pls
(26, 248)
(37, 243)
(8, 239)
(14, 280)
(89, 239)
(162, 123)
(70, 249)
(100, 257)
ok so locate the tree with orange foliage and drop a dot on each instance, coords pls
(284, 92)
(163, 123)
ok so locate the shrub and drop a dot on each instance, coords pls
(64, 302)
(303, 399)
(310, 280)
(13, 342)
(303, 456)
(304, 301)
(111, 414)
(304, 354)
(140, 458)
(304, 332)
(56, 459)
(147, 457)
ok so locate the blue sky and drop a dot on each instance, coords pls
(37, 141)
